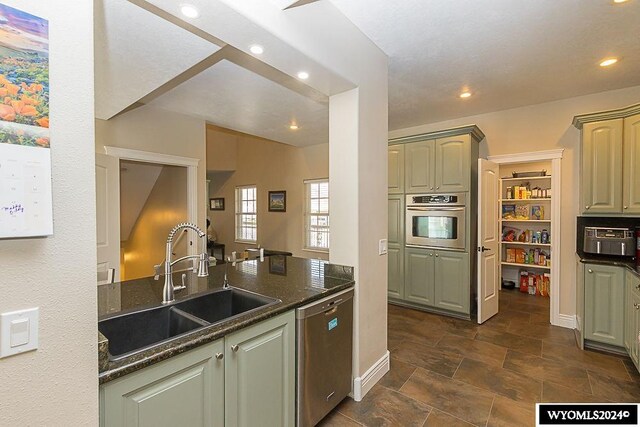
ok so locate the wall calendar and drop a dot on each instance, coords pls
(25, 147)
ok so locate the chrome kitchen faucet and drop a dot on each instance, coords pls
(168, 293)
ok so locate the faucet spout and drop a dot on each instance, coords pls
(168, 292)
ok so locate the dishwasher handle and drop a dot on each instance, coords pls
(325, 305)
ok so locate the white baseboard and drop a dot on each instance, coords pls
(566, 321)
(362, 385)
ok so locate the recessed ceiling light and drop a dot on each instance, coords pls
(303, 75)
(619, 1)
(465, 94)
(189, 10)
(256, 49)
(293, 126)
(609, 61)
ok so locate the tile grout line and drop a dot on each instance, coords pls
(491, 409)
(348, 417)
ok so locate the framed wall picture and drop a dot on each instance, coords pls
(216, 204)
(277, 201)
(278, 265)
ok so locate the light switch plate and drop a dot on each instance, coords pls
(18, 331)
(382, 247)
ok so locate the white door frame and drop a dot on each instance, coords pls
(555, 156)
(167, 159)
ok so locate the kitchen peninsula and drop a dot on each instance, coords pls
(216, 365)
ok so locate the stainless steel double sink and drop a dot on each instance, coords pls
(132, 333)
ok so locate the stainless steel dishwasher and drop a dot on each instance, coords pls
(324, 339)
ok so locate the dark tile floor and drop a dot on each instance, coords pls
(448, 372)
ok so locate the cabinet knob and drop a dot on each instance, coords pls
(638, 286)
(437, 255)
(636, 306)
(587, 207)
(431, 188)
(235, 348)
(626, 207)
(438, 187)
(431, 254)
(590, 271)
(219, 356)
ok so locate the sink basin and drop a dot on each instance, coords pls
(224, 304)
(133, 332)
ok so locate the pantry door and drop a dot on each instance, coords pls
(488, 240)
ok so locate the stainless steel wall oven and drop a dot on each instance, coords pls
(436, 220)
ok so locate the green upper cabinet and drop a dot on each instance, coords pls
(452, 281)
(452, 167)
(419, 286)
(260, 374)
(186, 390)
(602, 166)
(396, 168)
(631, 181)
(438, 165)
(420, 166)
(604, 304)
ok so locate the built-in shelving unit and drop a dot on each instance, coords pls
(525, 255)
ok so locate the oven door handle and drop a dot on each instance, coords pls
(436, 209)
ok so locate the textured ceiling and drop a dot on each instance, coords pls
(137, 52)
(232, 97)
(508, 53)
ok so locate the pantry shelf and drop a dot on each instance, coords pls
(505, 242)
(530, 178)
(526, 220)
(515, 264)
(547, 199)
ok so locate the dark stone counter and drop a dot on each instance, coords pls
(630, 265)
(294, 281)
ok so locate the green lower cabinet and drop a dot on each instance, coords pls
(186, 390)
(419, 276)
(395, 272)
(245, 379)
(260, 374)
(632, 322)
(604, 304)
(452, 281)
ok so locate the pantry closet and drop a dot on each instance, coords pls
(529, 213)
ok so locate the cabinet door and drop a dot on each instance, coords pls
(452, 281)
(601, 166)
(604, 304)
(396, 168)
(631, 168)
(634, 334)
(187, 389)
(395, 233)
(260, 374)
(395, 272)
(418, 275)
(452, 163)
(419, 163)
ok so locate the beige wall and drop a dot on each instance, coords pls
(165, 207)
(58, 384)
(270, 166)
(544, 127)
(158, 131)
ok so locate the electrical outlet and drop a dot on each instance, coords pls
(382, 247)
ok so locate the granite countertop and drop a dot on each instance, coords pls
(294, 281)
(630, 265)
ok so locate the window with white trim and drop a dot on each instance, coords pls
(317, 215)
(247, 214)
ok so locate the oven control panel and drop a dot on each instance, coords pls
(457, 199)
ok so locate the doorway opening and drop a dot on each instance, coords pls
(528, 211)
(153, 199)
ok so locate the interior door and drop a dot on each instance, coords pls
(488, 240)
(108, 216)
